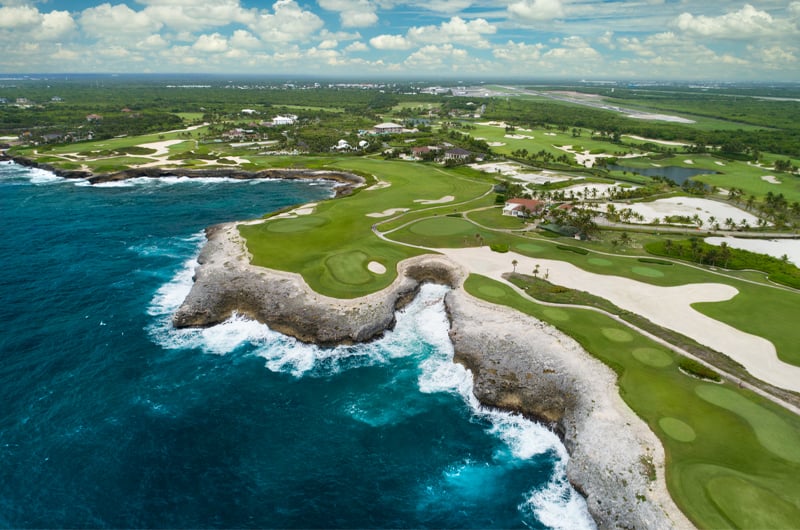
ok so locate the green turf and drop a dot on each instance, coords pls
(332, 247)
(728, 440)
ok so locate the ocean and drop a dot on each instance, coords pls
(110, 418)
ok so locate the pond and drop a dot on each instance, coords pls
(677, 174)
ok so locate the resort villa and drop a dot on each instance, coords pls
(522, 207)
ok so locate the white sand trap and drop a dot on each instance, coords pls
(771, 179)
(387, 213)
(162, 148)
(717, 162)
(377, 268)
(519, 137)
(306, 209)
(495, 144)
(690, 162)
(666, 306)
(379, 185)
(445, 199)
(654, 141)
(776, 248)
(688, 206)
(550, 134)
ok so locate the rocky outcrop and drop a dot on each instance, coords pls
(348, 181)
(519, 364)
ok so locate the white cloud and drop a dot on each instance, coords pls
(456, 30)
(352, 13)
(288, 23)
(117, 22)
(537, 10)
(357, 46)
(244, 39)
(389, 42)
(153, 42)
(197, 15)
(440, 58)
(328, 44)
(19, 17)
(55, 25)
(214, 43)
(518, 52)
(746, 23)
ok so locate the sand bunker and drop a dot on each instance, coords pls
(687, 206)
(666, 306)
(495, 144)
(717, 162)
(519, 137)
(162, 148)
(690, 162)
(446, 198)
(776, 248)
(379, 186)
(375, 267)
(771, 179)
(387, 213)
(306, 209)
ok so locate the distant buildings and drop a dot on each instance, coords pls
(387, 128)
(289, 119)
(457, 154)
(93, 117)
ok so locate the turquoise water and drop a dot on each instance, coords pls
(111, 418)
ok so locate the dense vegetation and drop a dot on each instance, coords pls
(698, 251)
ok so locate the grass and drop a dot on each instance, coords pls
(718, 484)
(332, 247)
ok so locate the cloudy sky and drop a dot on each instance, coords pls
(591, 39)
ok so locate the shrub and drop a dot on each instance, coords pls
(499, 247)
(692, 367)
(655, 261)
(576, 250)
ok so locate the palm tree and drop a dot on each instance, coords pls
(536, 271)
(514, 264)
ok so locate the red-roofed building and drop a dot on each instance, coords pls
(522, 207)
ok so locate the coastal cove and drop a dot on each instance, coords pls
(134, 423)
(575, 394)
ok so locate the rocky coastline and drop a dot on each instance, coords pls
(519, 364)
(347, 182)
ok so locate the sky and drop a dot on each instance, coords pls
(687, 40)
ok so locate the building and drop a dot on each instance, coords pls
(93, 117)
(457, 154)
(522, 207)
(387, 128)
(289, 119)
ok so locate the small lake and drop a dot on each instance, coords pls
(677, 174)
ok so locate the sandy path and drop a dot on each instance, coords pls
(669, 307)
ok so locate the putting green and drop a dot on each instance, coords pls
(677, 430)
(652, 357)
(737, 497)
(648, 272)
(600, 262)
(772, 432)
(529, 247)
(298, 224)
(442, 226)
(617, 335)
(492, 291)
(349, 267)
(556, 314)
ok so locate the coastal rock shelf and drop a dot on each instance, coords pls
(347, 181)
(519, 364)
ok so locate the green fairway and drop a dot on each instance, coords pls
(718, 483)
(332, 247)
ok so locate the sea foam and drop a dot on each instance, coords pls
(421, 331)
